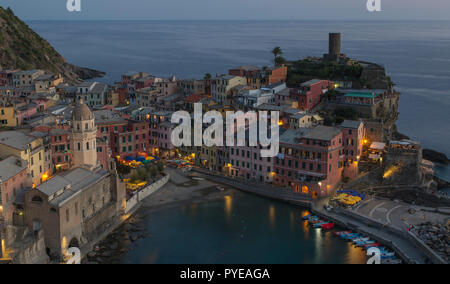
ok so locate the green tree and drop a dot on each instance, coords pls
(207, 76)
(279, 60)
(277, 51)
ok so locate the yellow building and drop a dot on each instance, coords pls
(207, 158)
(26, 147)
(8, 117)
(221, 87)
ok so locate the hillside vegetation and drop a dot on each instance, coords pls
(22, 48)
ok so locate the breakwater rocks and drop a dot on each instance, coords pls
(118, 243)
(437, 237)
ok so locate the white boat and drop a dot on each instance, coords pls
(360, 240)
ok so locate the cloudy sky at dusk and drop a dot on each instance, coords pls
(230, 9)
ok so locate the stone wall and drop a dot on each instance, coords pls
(28, 247)
(145, 192)
(402, 167)
(97, 224)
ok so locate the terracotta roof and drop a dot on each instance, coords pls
(194, 98)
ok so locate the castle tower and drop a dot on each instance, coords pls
(334, 48)
(83, 137)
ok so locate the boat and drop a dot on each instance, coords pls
(362, 244)
(388, 254)
(360, 240)
(342, 233)
(372, 245)
(315, 222)
(390, 257)
(350, 236)
(328, 226)
(318, 225)
(391, 261)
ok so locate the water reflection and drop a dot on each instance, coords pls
(193, 209)
(228, 206)
(355, 255)
(272, 216)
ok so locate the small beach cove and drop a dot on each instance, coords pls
(193, 220)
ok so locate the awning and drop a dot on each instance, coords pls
(378, 145)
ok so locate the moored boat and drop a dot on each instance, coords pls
(328, 226)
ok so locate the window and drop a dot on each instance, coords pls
(37, 199)
(79, 147)
(87, 145)
(67, 215)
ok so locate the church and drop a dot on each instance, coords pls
(75, 207)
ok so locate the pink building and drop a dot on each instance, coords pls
(160, 133)
(27, 112)
(13, 181)
(246, 162)
(353, 135)
(103, 152)
(310, 93)
(310, 160)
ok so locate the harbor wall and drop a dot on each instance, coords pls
(434, 257)
(145, 192)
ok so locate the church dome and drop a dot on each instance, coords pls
(82, 112)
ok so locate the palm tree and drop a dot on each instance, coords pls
(279, 60)
(207, 76)
(276, 52)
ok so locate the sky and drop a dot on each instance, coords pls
(230, 10)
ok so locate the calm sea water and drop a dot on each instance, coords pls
(241, 228)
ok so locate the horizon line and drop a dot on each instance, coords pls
(243, 20)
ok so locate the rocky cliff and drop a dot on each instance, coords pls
(22, 48)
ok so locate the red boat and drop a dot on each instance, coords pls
(328, 226)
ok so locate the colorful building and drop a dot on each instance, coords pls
(310, 93)
(221, 87)
(310, 160)
(26, 147)
(353, 137)
(14, 179)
